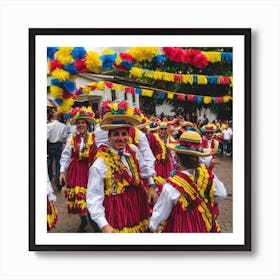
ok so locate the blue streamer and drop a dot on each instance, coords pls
(226, 56)
(199, 99)
(138, 91)
(213, 80)
(160, 95)
(194, 79)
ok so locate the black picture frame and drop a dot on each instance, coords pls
(35, 34)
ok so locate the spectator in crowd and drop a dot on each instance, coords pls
(57, 133)
(227, 136)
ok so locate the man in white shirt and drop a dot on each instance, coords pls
(227, 134)
(57, 133)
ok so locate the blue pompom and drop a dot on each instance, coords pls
(159, 59)
(71, 68)
(56, 82)
(78, 53)
(66, 116)
(58, 101)
(226, 56)
(51, 51)
(128, 65)
(69, 86)
(108, 60)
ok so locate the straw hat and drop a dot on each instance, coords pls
(209, 128)
(145, 122)
(152, 126)
(164, 125)
(84, 113)
(118, 114)
(190, 143)
(186, 124)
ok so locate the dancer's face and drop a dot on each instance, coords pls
(118, 138)
(81, 126)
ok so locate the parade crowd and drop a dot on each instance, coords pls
(126, 172)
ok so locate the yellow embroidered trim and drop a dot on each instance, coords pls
(52, 218)
(141, 227)
(163, 154)
(89, 143)
(114, 180)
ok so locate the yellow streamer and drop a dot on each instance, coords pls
(148, 93)
(170, 95)
(207, 99)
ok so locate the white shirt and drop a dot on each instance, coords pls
(57, 132)
(50, 193)
(227, 133)
(95, 187)
(65, 158)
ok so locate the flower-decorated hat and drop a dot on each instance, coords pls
(84, 113)
(165, 125)
(186, 124)
(153, 126)
(144, 122)
(210, 127)
(190, 143)
(118, 114)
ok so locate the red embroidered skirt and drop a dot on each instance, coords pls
(128, 211)
(77, 179)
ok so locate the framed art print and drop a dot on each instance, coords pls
(202, 76)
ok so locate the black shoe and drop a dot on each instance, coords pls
(83, 224)
(94, 224)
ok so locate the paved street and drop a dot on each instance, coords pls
(70, 223)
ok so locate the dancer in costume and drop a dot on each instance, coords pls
(210, 161)
(76, 157)
(187, 199)
(165, 162)
(116, 197)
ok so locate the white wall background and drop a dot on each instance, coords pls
(17, 262)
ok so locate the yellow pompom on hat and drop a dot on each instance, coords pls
(118, 114)
(190, 143)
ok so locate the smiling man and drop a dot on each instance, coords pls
(116, 198)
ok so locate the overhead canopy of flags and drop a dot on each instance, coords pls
(66, 62)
